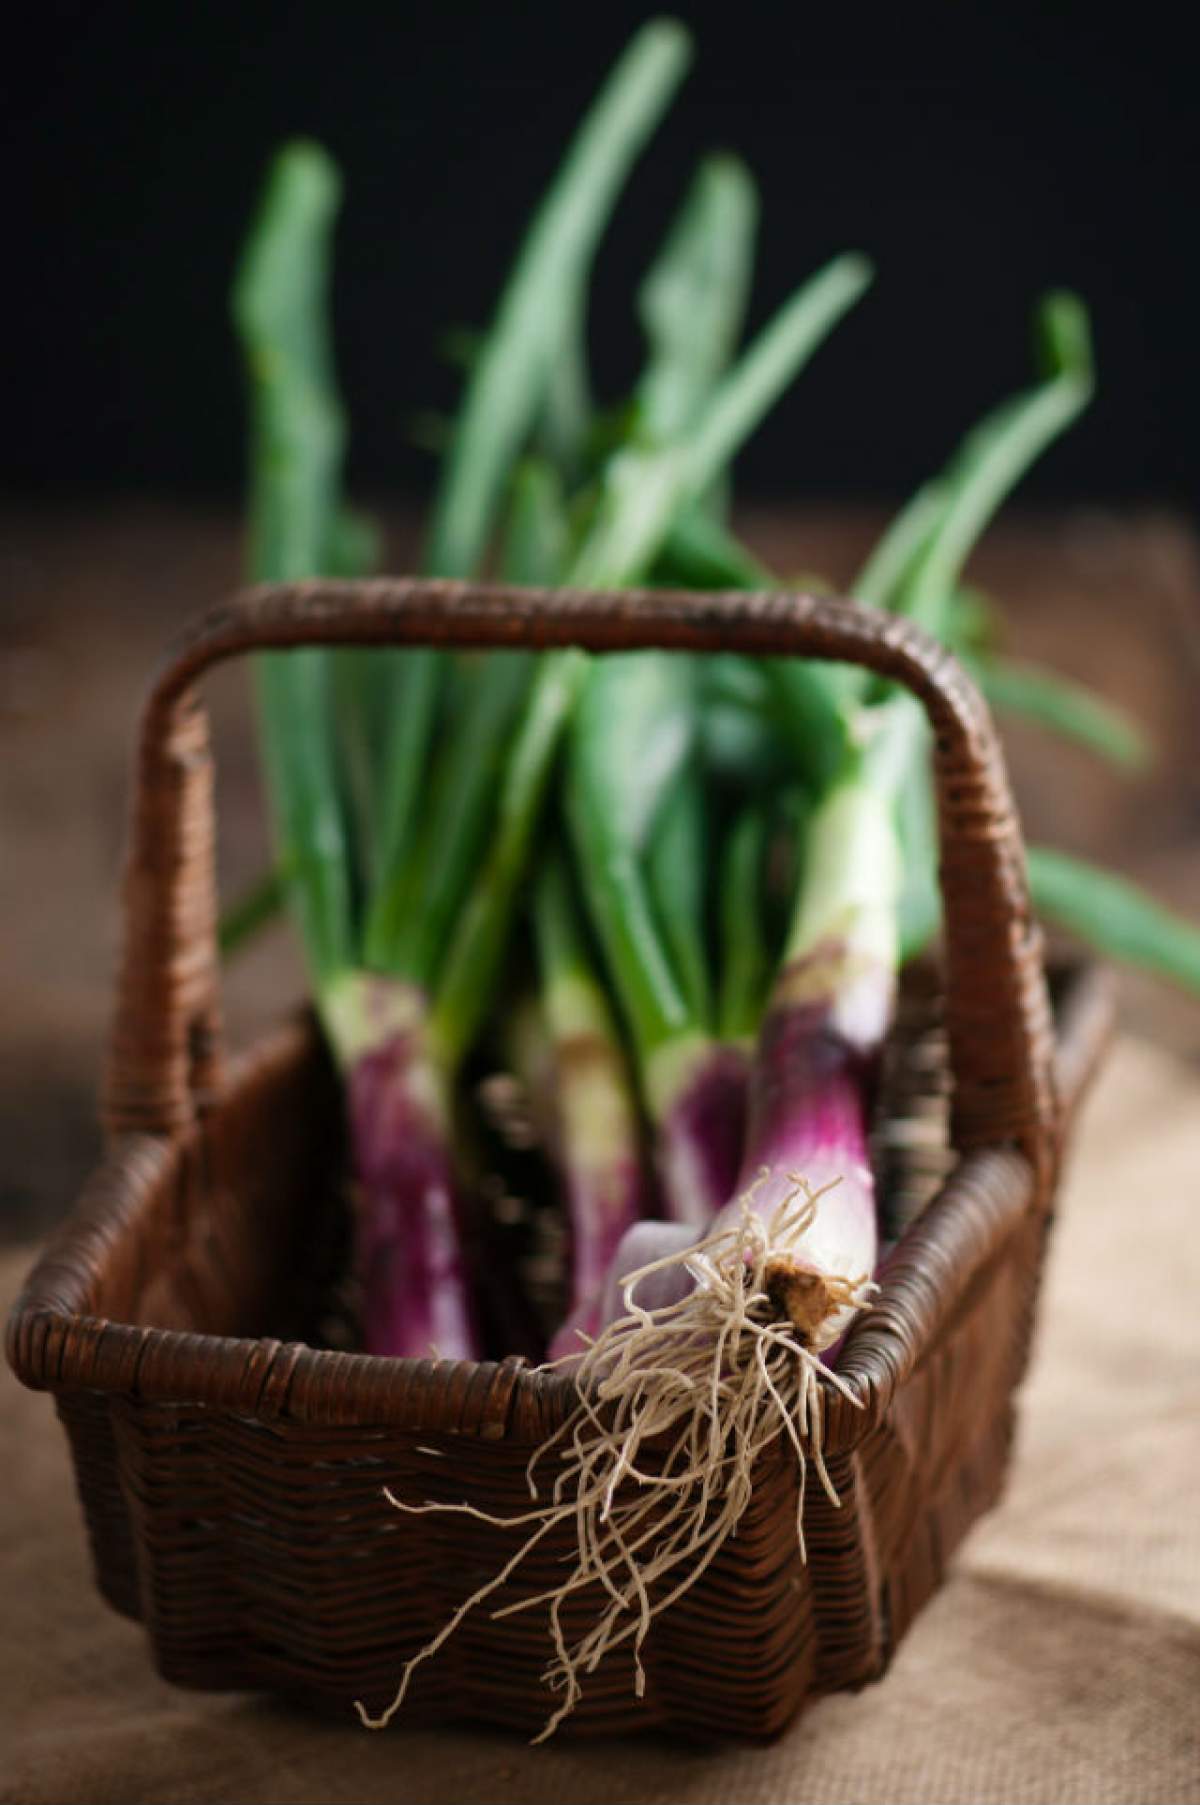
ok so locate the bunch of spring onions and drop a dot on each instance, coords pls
(667, 897)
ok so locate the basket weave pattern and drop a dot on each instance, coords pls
(232, 1483)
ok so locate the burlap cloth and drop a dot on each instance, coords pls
(1062, 1662)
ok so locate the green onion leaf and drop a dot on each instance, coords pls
(513, 366)
(920, 904)
(995, 455)
(677, 862)
(925, 551)
(414, 916)
(363, 693)
(644, 489)
(510, 375)
(693, 299)
(898, 551)
(537, 532)
(700, 553)
(280, 306)
(476, 948)
(1066, 708)
(633, 732)
(745, 957)
(250, 912)
(642, 493)
(1114, 916)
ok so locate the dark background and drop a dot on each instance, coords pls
(978, 160)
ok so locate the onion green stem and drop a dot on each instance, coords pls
(298, 434)
(506, 390)
(1115, 916)
(746, 960)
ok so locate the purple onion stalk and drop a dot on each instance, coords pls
(411, 1228)
(696, 1091)
(809, 1093)
(599, 1153)
(694, 1088)
(592, 1123)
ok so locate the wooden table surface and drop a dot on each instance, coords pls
(89, 597)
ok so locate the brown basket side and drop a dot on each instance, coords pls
(209, 1228)
(259, 1552)
(909, 1492)
(268, 1560)
(266, 1557)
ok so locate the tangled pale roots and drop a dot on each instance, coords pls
(725, 1372)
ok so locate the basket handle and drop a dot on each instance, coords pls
(164, 1053)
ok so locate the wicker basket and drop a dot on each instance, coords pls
(232, 1476)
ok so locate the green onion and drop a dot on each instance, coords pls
(510, 376)
(676, 863)
(1114, 916)
(746, 958)
(1067, 709)
(298, 434)
(693, 300)
(645, 489)
(262, 902)
(598, 1139)
(514, 365)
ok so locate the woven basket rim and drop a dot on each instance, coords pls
(54, 1344)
